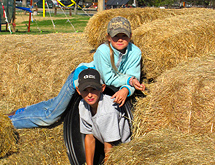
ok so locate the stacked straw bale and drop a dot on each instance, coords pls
(165, 147)
(165, 43)
(34, 70)
(181, 98)
(96, 28)
(7, 137)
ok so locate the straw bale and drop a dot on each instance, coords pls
(181, 98)
(40, 146)
(165, 43)
(8, 137)
(96, 28)
(165, 147)
(33, 69)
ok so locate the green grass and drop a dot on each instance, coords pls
(74, 23)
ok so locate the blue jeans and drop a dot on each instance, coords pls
(45, 113)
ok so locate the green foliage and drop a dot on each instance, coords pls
(155, 3)
(158, 3)
(199, 2)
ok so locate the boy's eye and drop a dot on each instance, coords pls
(93, 90)
(89, 90)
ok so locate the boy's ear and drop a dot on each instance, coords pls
(78, 91)
(103, 87)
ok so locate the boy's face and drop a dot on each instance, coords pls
(119, 41)
(91, 95)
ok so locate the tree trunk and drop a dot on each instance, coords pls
(24, 3)
(75, 9)
(101, 5)
(136, 3)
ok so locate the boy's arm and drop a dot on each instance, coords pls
(89, 148)
(107, 148)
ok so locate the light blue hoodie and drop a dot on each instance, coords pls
(128, 65)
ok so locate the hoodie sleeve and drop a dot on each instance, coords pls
(81, 67)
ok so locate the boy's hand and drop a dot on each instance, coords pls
(120, 96)
(137, 85)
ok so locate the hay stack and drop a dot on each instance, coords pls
(32, 71)
(96, 28)
(182, 98)
(165, 43)
(165, 147)
(34, 68)
(7, 136)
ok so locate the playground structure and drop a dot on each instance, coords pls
(9, 19)
(7, 14)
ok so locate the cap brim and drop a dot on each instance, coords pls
(96, 86)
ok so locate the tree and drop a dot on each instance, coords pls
(24, 3)
(101, 5)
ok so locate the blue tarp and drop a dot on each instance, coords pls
(24, 8)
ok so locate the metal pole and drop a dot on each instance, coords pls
(44, 10)
(0, 22)
(29, 22)
(14, 18)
